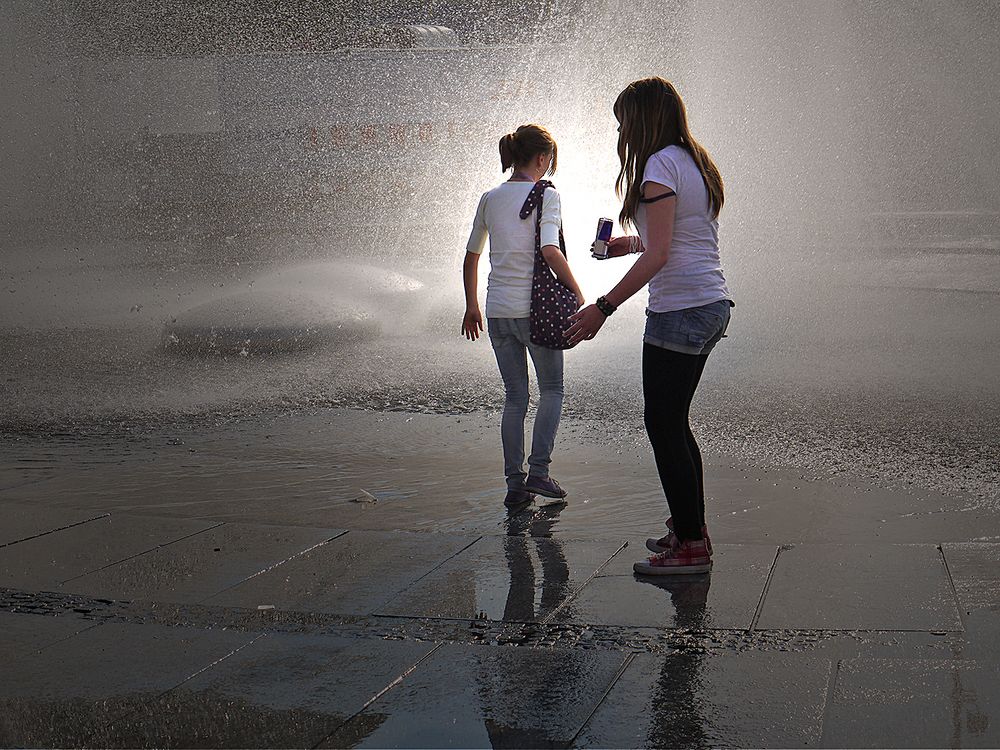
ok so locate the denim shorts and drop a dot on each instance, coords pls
(693, 330)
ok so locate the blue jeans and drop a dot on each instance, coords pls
(512, 344)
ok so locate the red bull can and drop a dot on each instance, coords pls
(600, 247)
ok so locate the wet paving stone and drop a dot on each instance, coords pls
(471, 513)
(486, 696)
(21, 521)
(195, 568)
(725, 598)
(68, 694)
(510, 578)
(280, 691)
(352, 575)
(296, 488)
(698, 700)
(45, 562)
(860, 587)
(914, 703)
(24, 633)
(975, 571)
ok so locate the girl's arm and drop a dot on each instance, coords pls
(660, 223)
(558, 263)
(549, 223)
(472, 323)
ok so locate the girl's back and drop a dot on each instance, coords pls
(512, 245)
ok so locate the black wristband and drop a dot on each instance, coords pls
(604, 306)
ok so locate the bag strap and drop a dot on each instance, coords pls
(534, 203)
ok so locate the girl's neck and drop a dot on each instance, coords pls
(521, 175)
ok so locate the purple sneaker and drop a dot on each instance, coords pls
(545, 486)
(517, 498)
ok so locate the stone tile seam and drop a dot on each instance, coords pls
(764, 588)
(53, 531)
(954, 589)
(39, 649)
(140, 554)
(626, 663)
(406, 673)
(269, 568)
(119, 717)
(375, 610)
(831, 694)
(576, 592)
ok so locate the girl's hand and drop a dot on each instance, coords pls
(586, 323)
(472, 324)
(619, 246)
(580, 299)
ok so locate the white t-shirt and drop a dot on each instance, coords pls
(512, 244)
(692, 275)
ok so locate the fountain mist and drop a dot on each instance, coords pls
(165, 160)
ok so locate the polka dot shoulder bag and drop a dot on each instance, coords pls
(552, 302)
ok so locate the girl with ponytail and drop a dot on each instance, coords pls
(529, 153)
(672, 193)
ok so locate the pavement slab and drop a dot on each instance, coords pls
(45, 562)
(186, 481)
(71, 693)
(196, 568)
(281, 691)
(764, 699)
(303, 487)
(21, 521)
(22, 634)
(352, 575)
(914, 703)
(975, 571)
(509, 578)
(726, 598)
(463, 513)
(860, 587)
(486, 696)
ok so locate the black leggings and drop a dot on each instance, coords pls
(669, 380)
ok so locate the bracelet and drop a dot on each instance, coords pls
(604, 306)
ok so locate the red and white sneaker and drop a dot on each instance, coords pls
(666, 542)
(686, 558)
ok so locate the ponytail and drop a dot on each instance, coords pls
(524, 144)
(508, 152)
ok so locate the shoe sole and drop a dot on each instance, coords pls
(680, 570)
(549, 493)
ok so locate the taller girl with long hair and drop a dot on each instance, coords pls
(672, 193)
(530, 153)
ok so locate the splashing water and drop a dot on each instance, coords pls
(167, 174)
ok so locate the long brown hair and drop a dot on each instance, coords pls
(524, 144)
(652, 117)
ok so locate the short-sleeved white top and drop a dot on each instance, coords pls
(693, 274)
(512, 244)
